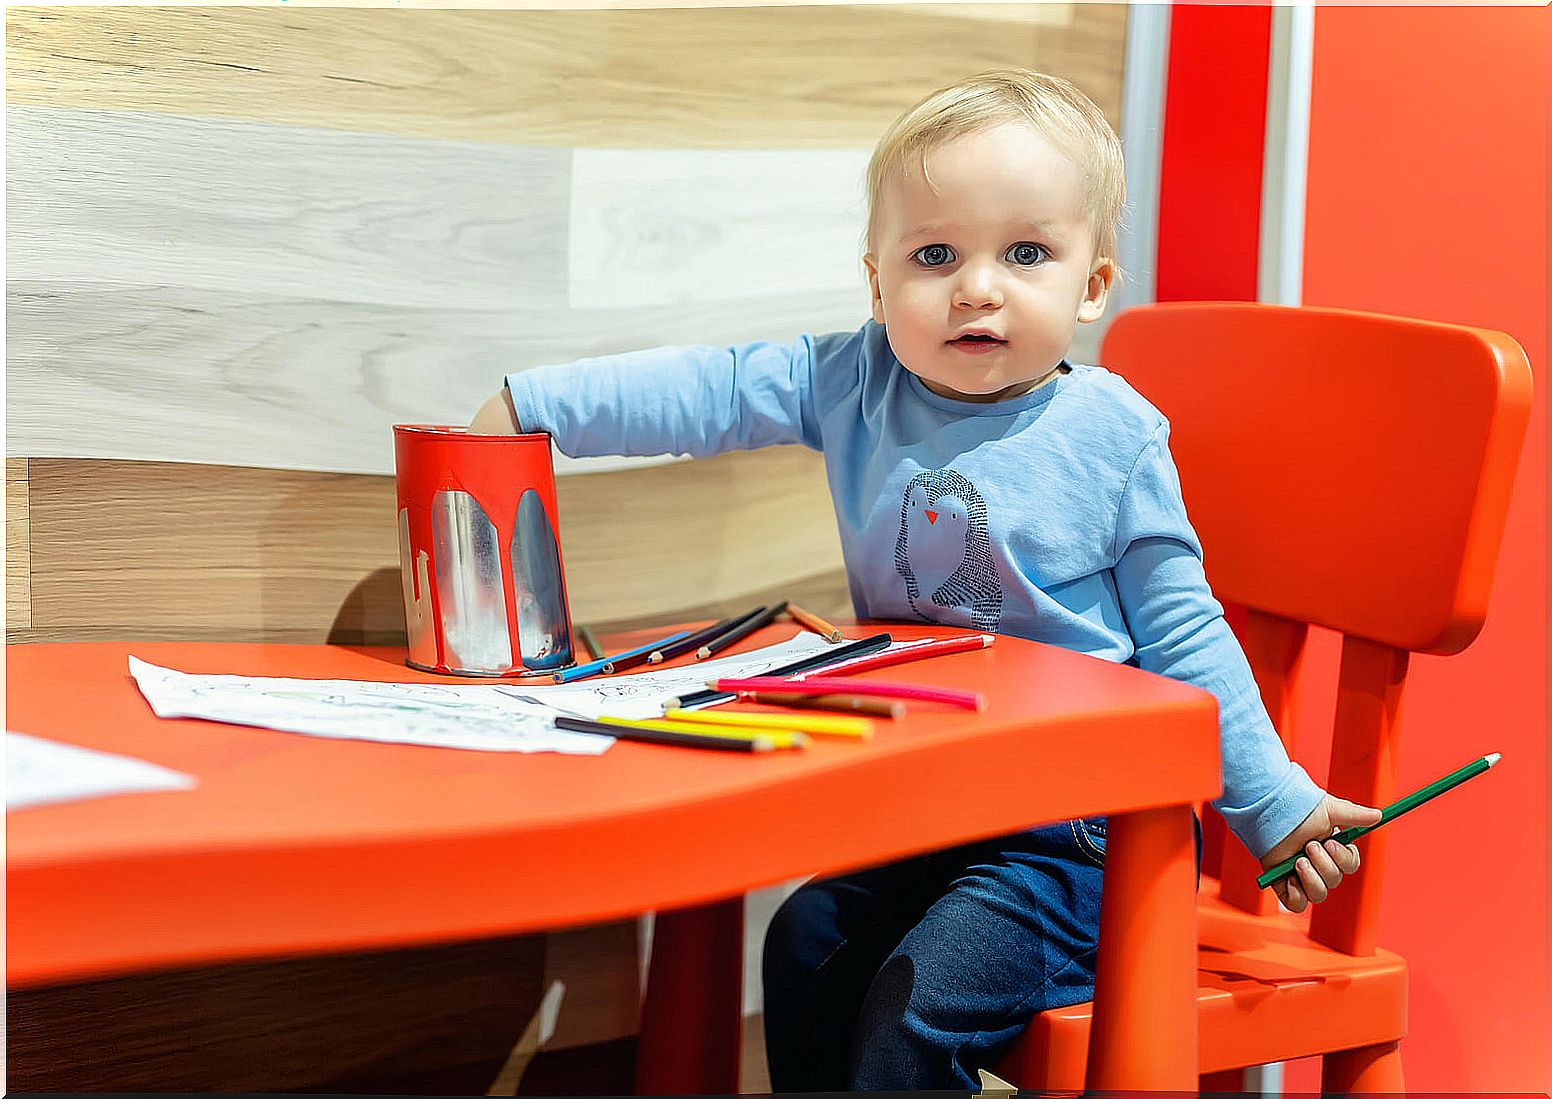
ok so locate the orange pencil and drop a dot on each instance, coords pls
(809, 620)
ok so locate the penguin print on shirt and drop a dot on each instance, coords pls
(944, 554)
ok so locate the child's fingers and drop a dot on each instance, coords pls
(1330, 873)
(1310, 880)
(1345, 855)
(1292, 896)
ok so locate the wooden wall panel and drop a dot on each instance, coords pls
(139, 199)
(18, 547)
(427, 1020)
(267, 380)
(755, 77)
(171, 279)
(147, 549)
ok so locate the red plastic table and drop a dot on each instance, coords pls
(296, 844)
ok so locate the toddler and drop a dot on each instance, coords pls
(979, 480)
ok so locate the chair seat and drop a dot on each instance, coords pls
(1265, 993)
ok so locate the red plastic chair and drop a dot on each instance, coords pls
(1352, 471)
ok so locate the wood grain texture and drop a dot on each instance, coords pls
(146, 549)
(810, 76)
(18, 547)
(240, 294)
(428, 1020)
(127, 198)
(121, 197)
(282, 382)
(666, 227)
(600, 967)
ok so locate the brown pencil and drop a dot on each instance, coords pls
(879, 707)
(809, 620)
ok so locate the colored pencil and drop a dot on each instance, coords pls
(905, 654)
(1388, 814)
(657, 736)
(813, 622)
(843, 703)
(699, 637)
(967, 700)
(778, 738)
(590, 641)
(602, 667)
(625, 661)
(818, 724)
(797, 667)
(740, 631)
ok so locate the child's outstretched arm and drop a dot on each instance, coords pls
(698, 401)
(1178, 629)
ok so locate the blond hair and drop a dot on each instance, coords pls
(1053, 106)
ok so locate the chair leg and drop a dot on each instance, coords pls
(1367, 1068)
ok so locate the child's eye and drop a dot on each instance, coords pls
(933, 255)
(1026, 254)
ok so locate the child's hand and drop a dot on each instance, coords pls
(495, 417)
(1323, 863)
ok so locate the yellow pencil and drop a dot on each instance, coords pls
(812, 621)
(805, 723)
(775, 738)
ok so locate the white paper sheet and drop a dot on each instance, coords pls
(501, 716)
(42, 772)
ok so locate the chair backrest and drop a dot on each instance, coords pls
(1343, 469)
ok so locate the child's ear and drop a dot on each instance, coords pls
(871, 263)
(1095, 294)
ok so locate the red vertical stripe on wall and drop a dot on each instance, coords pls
(1209, 218)
(1214, 134)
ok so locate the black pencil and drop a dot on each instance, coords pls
(700, 637)
(654, 736)
(742, 630)
(834, 656)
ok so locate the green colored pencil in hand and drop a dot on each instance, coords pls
(1388, 814)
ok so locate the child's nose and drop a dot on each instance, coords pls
(977, 288)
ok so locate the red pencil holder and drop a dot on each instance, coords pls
(484, 593)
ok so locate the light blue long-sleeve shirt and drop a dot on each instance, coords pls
(1055, 516)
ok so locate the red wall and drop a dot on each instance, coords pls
(1426, 197)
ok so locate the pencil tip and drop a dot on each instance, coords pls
(702, 653)
(1494, 757)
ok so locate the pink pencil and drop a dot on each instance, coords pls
(904, 654)
(968, 700)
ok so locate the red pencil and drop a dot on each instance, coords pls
(968, 700)
(910, 651)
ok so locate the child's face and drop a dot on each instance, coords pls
(1001, 248)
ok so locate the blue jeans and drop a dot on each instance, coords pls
(912, 975)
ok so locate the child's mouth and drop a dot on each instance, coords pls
(977, 344)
